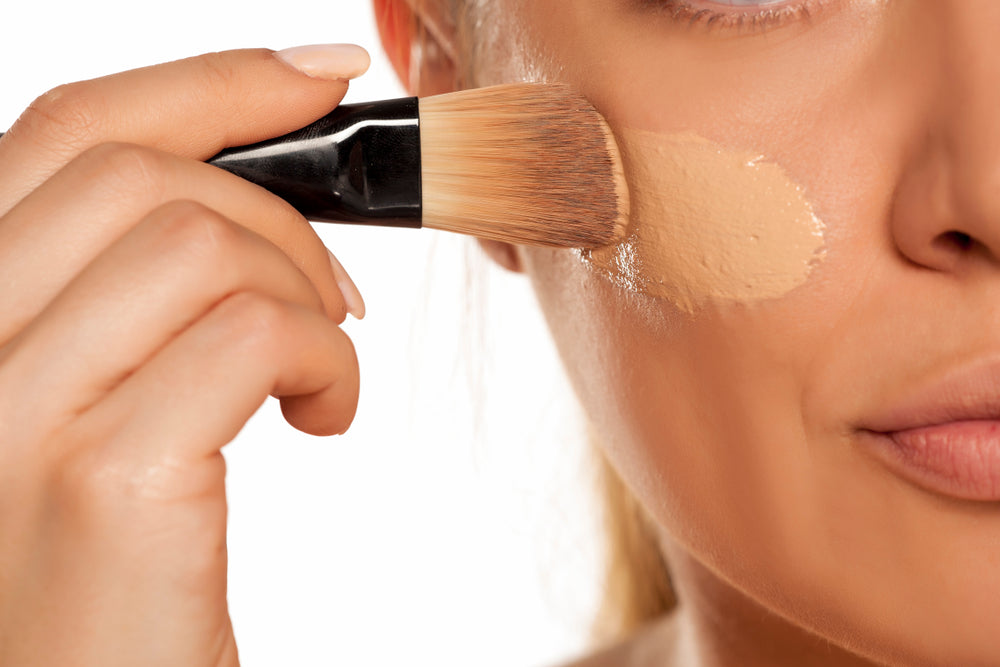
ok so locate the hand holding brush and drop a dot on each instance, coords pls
(152, 302)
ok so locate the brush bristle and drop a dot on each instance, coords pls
(528, 163)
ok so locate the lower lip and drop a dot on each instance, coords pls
(958, 459)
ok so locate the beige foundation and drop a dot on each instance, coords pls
(709, 224)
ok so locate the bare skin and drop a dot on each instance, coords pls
(137, 338)
(151, 303)
(747, 429)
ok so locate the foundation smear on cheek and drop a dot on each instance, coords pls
(708, 223)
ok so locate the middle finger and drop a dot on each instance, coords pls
(161, 276)
(52, 234)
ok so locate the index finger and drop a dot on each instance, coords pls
(193, 107)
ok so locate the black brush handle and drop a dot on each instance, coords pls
(360, 163)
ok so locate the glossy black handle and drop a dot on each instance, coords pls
(360, 163)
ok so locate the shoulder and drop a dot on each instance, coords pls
(652, 645)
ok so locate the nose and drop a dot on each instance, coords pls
(946, 212)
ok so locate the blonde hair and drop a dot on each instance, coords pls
(636, 588)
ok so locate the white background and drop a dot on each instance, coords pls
(448, 527)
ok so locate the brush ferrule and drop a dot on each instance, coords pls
(360, 163)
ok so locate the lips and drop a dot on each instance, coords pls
(944, 436)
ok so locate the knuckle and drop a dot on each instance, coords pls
(258, 322)
(218, 74)
(195, 233)
(69, 113)
(125, 168)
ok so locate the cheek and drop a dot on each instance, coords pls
(699, 401)
(701, 415)
(696, 411)
(709, 224)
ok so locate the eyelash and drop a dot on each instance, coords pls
(742, 20)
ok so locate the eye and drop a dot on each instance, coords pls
(754, 15)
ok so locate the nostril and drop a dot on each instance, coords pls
(955, 240)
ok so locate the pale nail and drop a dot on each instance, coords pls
(352, 296)
(327, 61)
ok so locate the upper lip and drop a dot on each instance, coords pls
(964, 394)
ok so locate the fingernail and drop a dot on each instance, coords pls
(352, 296)
(327, 61)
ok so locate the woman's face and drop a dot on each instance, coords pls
(745, 424)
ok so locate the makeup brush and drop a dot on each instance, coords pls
(529, 163)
